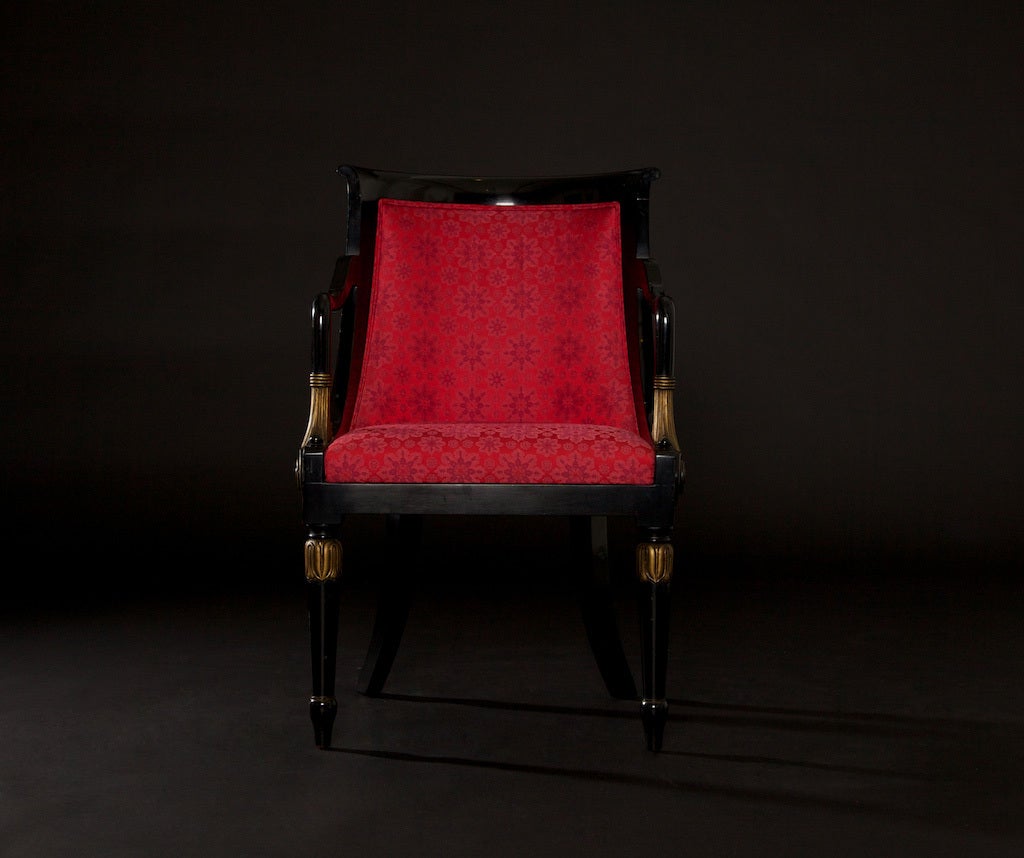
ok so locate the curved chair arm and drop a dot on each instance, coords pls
(663, 424)
(320, 426)
(318, 429)
(645, 277)
(663, 319)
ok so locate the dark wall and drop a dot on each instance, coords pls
(839, 220)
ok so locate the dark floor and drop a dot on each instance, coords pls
(814, 713)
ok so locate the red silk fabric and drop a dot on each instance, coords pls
(495, 351)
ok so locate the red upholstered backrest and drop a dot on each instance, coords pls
(496, 314)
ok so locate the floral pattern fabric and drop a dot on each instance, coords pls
(495, 350)
(491, 453)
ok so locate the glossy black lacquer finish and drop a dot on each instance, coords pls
(648, 312)
(631, 189)
(323, 637)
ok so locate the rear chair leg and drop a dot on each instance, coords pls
(394, 595)
(654, 559)
(323, 564)
(593, 584)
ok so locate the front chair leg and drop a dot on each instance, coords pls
(323, 564)
(654, 568)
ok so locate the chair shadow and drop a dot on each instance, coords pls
(969, 773)
(870, 723)
(791, 799)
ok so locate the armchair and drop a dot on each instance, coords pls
(503, 346)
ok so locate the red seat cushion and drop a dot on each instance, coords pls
(491, 453)
(495, 351)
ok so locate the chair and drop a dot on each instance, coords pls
(503, 347)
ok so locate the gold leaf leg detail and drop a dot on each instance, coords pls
(323, 559)
(654, 562)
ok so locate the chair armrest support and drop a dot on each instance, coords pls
(318, 428)
(324, 393)
(663, 426)
(645, 277)
(663, 318)
(320, 351)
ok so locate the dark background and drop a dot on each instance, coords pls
(839, 221)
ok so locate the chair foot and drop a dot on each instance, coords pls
(322, 711)
(653, 714)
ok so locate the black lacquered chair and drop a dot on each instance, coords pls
(503, 347)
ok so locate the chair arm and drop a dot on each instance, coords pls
(644, 276)
(318, 428)
(663, 424)
(663, 318)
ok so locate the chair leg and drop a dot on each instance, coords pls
(654, 568)
(394, 594)
(594, 591)
(323, 564)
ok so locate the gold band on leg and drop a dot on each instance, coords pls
(323, 559)
(654, 562)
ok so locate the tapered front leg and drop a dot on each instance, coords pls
(654, 569)
(323, 565)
